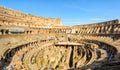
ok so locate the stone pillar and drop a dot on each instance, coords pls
(118, 30)
(4, 32)
(89, 30)
(0, 32)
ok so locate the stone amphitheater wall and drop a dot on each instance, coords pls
(108, 27)
(18, 30)
(15, 18)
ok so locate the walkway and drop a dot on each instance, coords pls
(67, 43)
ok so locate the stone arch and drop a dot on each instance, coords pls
(2, 32)
(6, 31)
(30, 32)
(27, 32)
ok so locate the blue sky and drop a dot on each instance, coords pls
(72, 12)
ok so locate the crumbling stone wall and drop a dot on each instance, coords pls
(16, 18)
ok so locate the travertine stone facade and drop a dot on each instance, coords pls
(108, 27)
(15, 18)
(30, 42)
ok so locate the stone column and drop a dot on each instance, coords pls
(0, 32)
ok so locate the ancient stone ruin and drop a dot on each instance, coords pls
(29, 42)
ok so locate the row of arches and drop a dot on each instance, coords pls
(33, 31)
(108, 29)
(6, 32)
(3, 32)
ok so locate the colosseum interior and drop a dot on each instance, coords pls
(29, 42)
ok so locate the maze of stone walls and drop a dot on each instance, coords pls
(26, 40)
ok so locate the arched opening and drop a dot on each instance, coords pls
(30, 32)
(7, 32)
(27, 32)
(2, 32)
